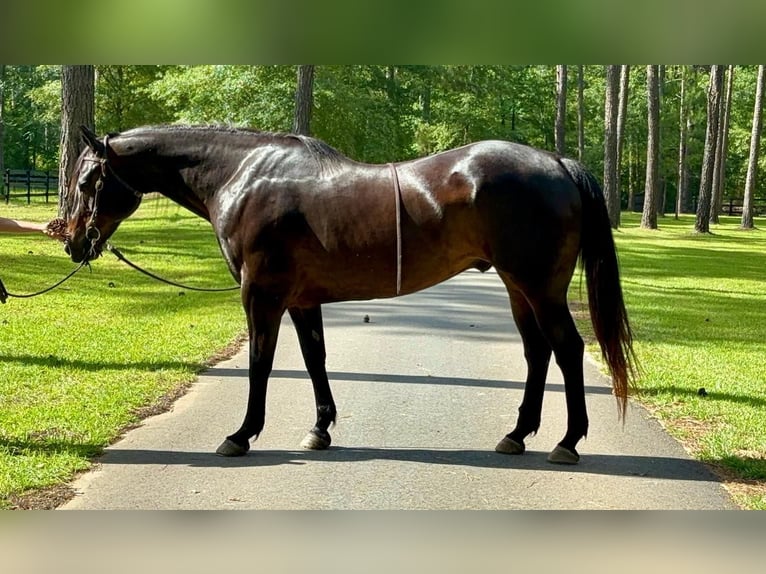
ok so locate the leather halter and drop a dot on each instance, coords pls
(105, 166)
(92, 232)
(398, 198)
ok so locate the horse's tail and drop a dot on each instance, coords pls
(598, 257)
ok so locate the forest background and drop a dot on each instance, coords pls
(379, 113)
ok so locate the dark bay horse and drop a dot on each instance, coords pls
(300, 225)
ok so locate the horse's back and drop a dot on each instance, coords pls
(333, 221)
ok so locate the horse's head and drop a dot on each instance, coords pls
(96, 200)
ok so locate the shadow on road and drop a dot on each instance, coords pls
(614, 465)
(407, 379)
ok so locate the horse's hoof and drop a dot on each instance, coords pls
(509, 446)
(313, 441)
(561, 455)
(230, 448)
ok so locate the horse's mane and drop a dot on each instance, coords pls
(326, 156)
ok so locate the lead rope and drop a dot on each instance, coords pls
(118, 254)
(398, 197)
(4, 293)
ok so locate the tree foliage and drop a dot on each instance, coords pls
(380, 113)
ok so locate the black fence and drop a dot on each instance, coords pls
(734, 207)
(729, 206)
(30, 183)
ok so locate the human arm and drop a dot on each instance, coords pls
(55, 229)
(18, 226)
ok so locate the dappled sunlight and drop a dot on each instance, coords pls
(77, 364)
(698, 310)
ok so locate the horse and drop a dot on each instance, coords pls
(300, 225)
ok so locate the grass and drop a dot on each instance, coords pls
(697, 305)
(82, 363)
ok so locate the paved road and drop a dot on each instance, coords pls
(424, 390)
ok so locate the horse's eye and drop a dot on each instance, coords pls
(83, 187)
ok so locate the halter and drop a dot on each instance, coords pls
(92, 232)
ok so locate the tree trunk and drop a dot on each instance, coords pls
(561, 109)
(702, 224)
(651, 186)
(752, 164)
(621, 117)
(304, 100)
(611, 186)
(77, 109)
(661, 179)
(427, 102)
(580, 114)
(631, 176)
(682, 147)
(2, 125)
(391, 82)
(719, 170)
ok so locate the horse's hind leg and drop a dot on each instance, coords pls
(537, 352)
(308, 324)
(557, 325)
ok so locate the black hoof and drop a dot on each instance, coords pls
(230, 448)
(315, 441)
(509, 446)
(561, 455)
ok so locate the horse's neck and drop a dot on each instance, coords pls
(198, 165)
(200, 174)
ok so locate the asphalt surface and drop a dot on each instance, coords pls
(425, 390)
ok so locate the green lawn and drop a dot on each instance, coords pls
(82, 362)
(698, 309)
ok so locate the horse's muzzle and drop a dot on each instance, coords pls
(85, 251)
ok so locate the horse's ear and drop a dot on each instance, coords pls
(91, 140)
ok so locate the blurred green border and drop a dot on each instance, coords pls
(356, 31)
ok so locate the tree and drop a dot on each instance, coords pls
(259, 97)
(304, 100)
(755, 143)
(661, 180)
(123, 97)
(580, 114)
(380, 113)
(2, 122)
(702, 223)
(621, 115)
(611, 187)
(561, 109)
(682, 173)
(31, 131)
(77, 109)
(719, 168)
(651, 186)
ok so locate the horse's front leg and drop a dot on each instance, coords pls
(308, 324)
(263, 319)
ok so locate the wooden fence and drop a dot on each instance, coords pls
(734, 207)
(729, 206)
(30, 183)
